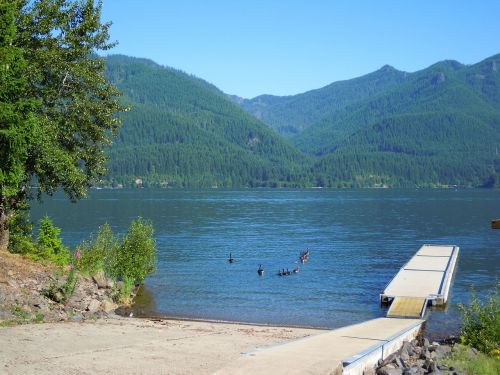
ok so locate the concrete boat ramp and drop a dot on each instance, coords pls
(425, 279)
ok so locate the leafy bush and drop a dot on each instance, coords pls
(49, 244)
(129, 261)
(61, 293)
(122, 291)
(20, 228)
(481, 323)
(136, 257)
(99, 253)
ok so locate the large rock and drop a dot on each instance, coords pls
(388, 370)
(425, 354)
(414, 371)
(426, 343)
(399, 363)
(406, 349)
(417, 351)
(101, 280)
(108, 306)
(433, 369)
(76, 317)
(93, 306)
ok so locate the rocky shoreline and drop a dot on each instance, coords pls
(419, 357)
(36, 292)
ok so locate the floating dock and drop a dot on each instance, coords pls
(425, 279)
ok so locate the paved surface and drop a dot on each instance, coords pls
(319, 354)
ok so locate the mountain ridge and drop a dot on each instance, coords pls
(438, 126)
(183, 131)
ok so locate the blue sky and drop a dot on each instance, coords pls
(284, 47)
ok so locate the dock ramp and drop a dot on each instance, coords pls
(407, 307)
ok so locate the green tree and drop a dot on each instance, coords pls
(136, 256)
(76, 112)
(49, 243)
(17, 121)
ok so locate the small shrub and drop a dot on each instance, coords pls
(121, 293)
(61, 293)
(136, 257)
(69, 286)
(481, 323)
(99, 253)
(38, 318)
(128, 261)
(20, 238)
(49, 243)
(21, 316)
(20, 313)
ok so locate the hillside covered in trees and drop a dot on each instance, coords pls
(436, 127)
(182, 131)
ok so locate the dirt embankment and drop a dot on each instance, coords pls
(35, 292)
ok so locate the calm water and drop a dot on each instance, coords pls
(358, 240)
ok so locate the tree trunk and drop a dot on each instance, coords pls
(4, 232)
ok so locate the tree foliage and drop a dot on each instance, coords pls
(17, 120)
(49, 244)
(78, 108)
(99, 253)
(132, 258)
(57, 109)
(481, 323)
(136, 256)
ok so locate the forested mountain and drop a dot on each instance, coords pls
(182, 131)
(437, 126)
(292, 114)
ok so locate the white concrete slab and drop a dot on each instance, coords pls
(427, 263)
(409, 283)
(439, 251)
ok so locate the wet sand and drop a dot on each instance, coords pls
(133, 346)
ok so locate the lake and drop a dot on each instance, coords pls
(358, 240)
